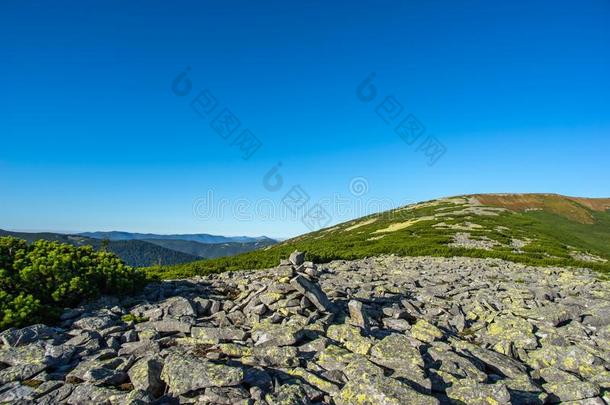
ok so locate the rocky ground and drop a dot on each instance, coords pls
(384, 330)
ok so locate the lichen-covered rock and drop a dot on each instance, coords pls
(27, 335)
(570, 390)
(375, 390)
(177, 307)
(20, 372)
(184, 373)
(216, 335)
(104, 376)
(503, 364)
(289, 394)
(507, 331)
(139, 397)
(16, 393)
(56, 396)
(448, 361)
(469, 392)
(525, 391)
(90, 394)
(357, 314)
(395, 352)
(351, 337)
(224, 396)
(283, 356)
(569, 358)
(35, 353)
(145, 375)
(95, 323)
(313, 292)
(278, 335)
(359, 367)
(315, 380)
(334, 357)
(297, 258)
(165, 326)
(425, 331)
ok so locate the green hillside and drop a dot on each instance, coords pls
(541, 229)
(211, 250)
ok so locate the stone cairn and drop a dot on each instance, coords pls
(384, 330)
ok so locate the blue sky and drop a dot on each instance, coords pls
(93, 138)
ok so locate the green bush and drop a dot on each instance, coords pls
(37, 281)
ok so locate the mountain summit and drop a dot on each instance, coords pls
(539, 229)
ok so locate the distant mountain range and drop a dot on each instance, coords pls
(196, 237)
(141, 250)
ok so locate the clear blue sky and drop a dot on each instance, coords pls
(93, 138)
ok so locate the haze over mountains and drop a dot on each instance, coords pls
(198, 237)
(142, 250)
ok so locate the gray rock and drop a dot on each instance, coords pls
(288, 395)
(286, 356)
(499, 362)
(313, 292)
(27, 335)
(570, 390)
(140, 348)
(185, 373)
(468, 391)
(90, 394)
(17, 393)
(400, 325)
(35, 353)
(95, 323)
(216, 335)
(20, 372)
(56, 396)
(47, 387)
(177, 307)
(377, 389)
(357, 314)
(278, 335)
(258, 377)
(145, 375)
(297, 258)
(104, 376)
(224, 395)
(215, 307)
(202, 306)
(165, 326)
(139, 397)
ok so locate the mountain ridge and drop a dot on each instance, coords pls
(536, 229)
(196, 237)
(149, 252)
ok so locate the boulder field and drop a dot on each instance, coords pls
(382, 330)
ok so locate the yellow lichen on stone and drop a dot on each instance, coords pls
(350, 337)
(425, 331)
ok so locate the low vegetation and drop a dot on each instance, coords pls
(40, 279)
(544, 236)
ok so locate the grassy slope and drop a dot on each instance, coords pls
(550, 233)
